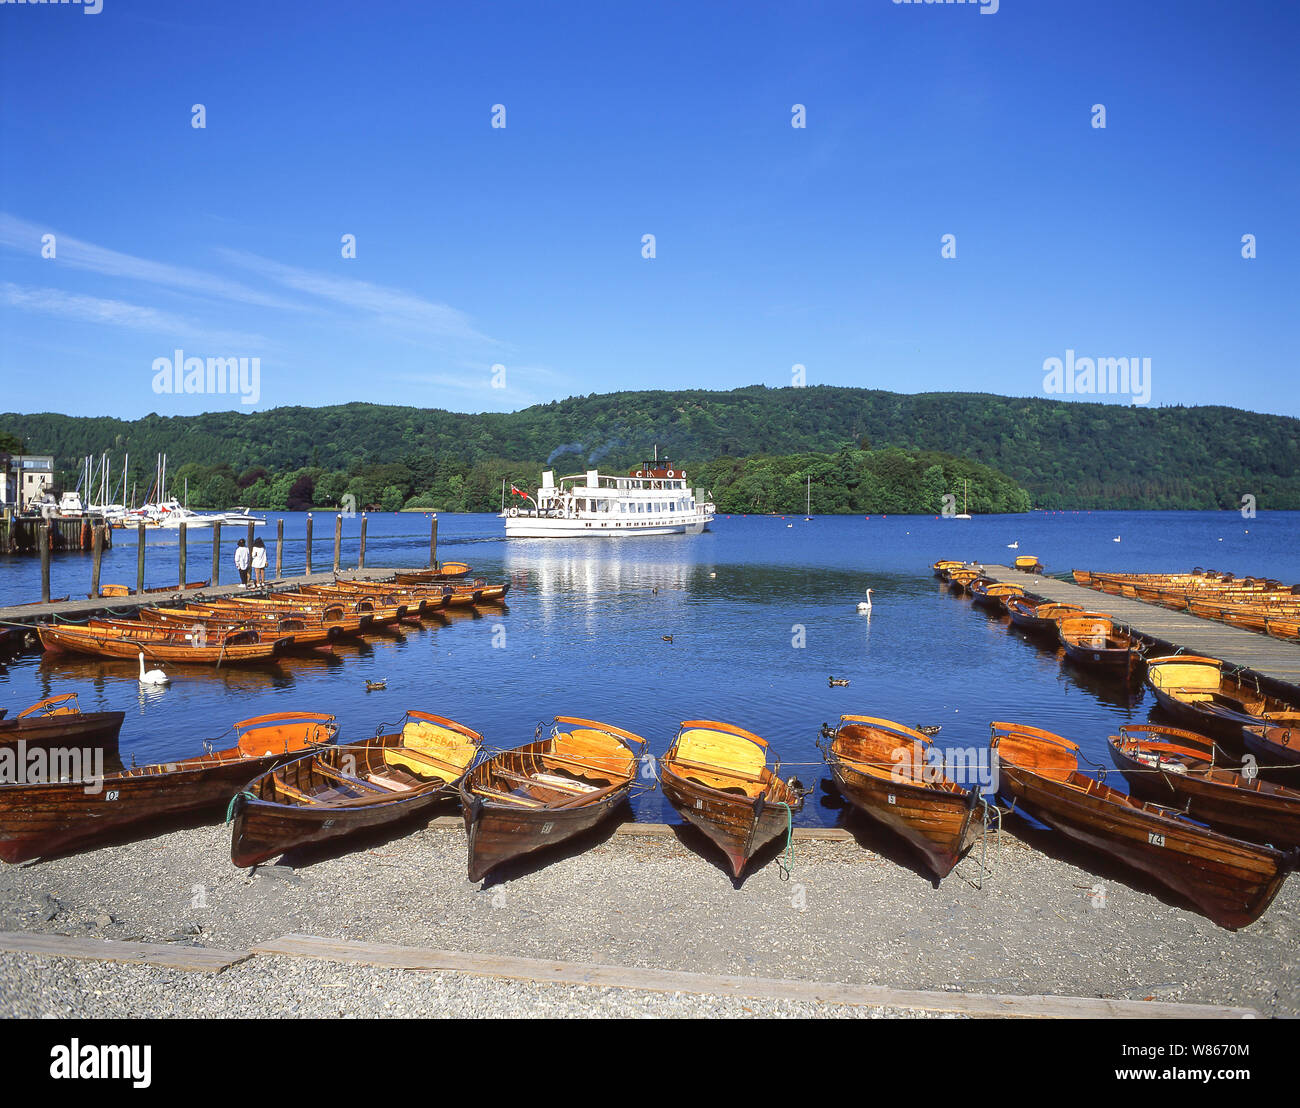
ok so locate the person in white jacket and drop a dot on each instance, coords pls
(259, 562)
(242, 562)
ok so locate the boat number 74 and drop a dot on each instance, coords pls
(1154, 839)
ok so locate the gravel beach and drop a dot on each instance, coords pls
(1048, 920)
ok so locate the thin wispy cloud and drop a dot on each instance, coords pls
(117, 313)
(388, 305)
(25, 237)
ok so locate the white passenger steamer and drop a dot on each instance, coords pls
(652, 500)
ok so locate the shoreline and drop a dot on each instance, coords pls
(643, 902)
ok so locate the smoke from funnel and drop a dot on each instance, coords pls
(567, 448)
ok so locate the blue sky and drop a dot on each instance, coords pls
(522, 246)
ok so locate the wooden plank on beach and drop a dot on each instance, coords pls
(551, 972)
(200, 959)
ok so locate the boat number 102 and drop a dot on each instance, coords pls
(1154, 839)
(111, 794)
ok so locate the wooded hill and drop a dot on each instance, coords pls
(1065, 455)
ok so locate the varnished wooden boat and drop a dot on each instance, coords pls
(446, 571)
(1230, 881)
(1039, 618)
(522, 800)
(307, 634)
(990, 594)
(1093, 641)
(229, 648)
(1199, 692)
(1275, 743)
(127, 590)
(719, 778)
(344, 623)
(41, 819)
(420, 601)
(58, 721)
(883, 768)
(338, 791)
(944, 566)
(1029, 563)
(959, 579)
(1188, 771)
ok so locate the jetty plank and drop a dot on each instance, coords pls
(1272, 659)
(547, 971)
(199, 959)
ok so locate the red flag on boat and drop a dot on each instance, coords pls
(517, 492)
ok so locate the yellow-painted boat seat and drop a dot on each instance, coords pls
(1172, 675)
(601, 751)
(437, 751)
(721, 752)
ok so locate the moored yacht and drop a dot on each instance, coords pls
(651, 500)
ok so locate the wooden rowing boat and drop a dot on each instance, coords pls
(718, 776)
(1185, 770)
(307, 634)
(885, 770)
(1199, 692)
(959, 579)
(1274, 743)
(446, 571)
(126, 590)
(226, 648)
(40, 819)
(547, 791)
(1091, 640)
(537, 795)
(1230, 881)
(944, 566)
(1029, 563)
(1036, 617)
(338, 791)
(345, 624)
(990, 594)
(58, 721)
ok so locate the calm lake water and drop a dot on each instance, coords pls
(583, 633)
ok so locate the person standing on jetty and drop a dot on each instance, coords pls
(241, 562)
(259, 562)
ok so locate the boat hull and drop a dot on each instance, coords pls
(44, 819)
(86, 731)
(1229, 881)
(737, 825)
(940, 826)
(496, 834)
(523, 527)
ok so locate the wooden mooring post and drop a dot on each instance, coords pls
(338, 540)
(361, 558)
(216, 553)
(308, 569)
(139, 559)
(433, 542)
(96, 557)
(44, 534)
(185, 551)
(279, 549)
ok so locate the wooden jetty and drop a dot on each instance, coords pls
(23, 534)
(1271, 660)
(93, 604)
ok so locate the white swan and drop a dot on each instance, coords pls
(153, 676)
(1115, 539)
(1014, 545)
(865, 605)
